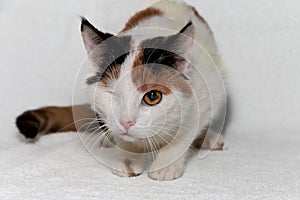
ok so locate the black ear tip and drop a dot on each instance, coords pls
(83, 19)
(189, 24)
(84, 23)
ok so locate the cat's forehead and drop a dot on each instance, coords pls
(146, 66)
(137, 75)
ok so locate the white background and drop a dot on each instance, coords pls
(41, 50)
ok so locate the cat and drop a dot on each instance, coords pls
(150, 89)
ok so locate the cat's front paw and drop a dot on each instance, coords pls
(127, 169)
(215, 142)
(167, 173)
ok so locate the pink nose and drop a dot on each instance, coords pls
(127, 124)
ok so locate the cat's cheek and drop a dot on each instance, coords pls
(107, 105)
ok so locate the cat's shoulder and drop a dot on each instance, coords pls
(155, 14)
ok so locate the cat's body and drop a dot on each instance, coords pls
(160, 84)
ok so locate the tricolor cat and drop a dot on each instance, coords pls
(155, 87)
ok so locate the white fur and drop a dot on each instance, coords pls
(125, 101)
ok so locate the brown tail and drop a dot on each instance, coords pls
(54, 119)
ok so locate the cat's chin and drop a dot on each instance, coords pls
(128, 138)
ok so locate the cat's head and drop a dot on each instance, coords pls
(140, 89)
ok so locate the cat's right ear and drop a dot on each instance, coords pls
(91, 36)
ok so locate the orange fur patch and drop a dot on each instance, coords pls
(140, 16)
(200, 17)
(137, 61)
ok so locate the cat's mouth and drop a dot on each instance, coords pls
(128, 137)
(126, 134)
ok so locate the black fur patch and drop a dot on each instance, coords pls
(160, 50)
(154, 52)
(159, 57)
(116, 51)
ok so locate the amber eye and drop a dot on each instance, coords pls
(152, 98)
